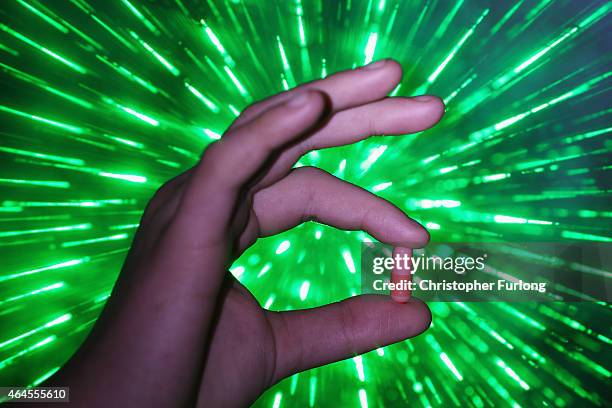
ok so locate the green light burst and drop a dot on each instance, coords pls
(101, 102)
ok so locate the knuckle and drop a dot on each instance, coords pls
(249, 110)
(306, 146)
(243, 117)
(211, 150)
(372, 125)
(157, 201)
(248, 113)
(211, 160)
(160, 194)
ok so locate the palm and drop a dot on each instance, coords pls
(241, 352)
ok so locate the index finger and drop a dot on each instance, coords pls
(345, 89)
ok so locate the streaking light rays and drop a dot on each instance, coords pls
(102, 102)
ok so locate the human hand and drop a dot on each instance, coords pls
(178, 329)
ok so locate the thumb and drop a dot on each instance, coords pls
(313, 337)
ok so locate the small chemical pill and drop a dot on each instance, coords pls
(401, 275)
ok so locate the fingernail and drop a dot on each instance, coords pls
(424, 98)
(375, 65)
(298, 100)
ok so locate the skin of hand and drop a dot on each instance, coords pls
(178, 329)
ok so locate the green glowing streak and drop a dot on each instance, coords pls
(583, 236)
(596, 16)
(173, 70)
(43, 269)
(112, 32)
(348, 260)
(506, 17)
(24, 351)
(278, 397)
(456, 91)
(269, 302)
(215, 41)
(140, 116)
(363, 398)
(430, 158)
(495, 177)
(304, 289)
(42, 15)
(126, 141)
(9, 50)
(75, 227)
(201, 97)
(539, 54)
(141, 17)
(126, 177)
(94, 240)
(445, 24)
(373, 157)
(506, 219)
(513, 375)
(431, 79)
(445, 170)
(79, 203)
(587, 135)
(211, 134)
(300, 12)
(213, 38)
(124, 226)
(60, 159)
(488, 132)
(236, 82)
(235, 111)
(294, 382)
(286, 66)
(542, 52)
(62, 319)
(312, 391)
(283, 247)
(70, 128)
(507, 122)
(128, 74)
(382, 186)
(33, 293)
(358, 360)
(41, 183)
(447, 361)
(39, 47)
(370, 48)
(44, 377)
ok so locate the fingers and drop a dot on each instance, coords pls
(165, 198)
(345, 89)
(390, 116)
(313, 337)
(308, 193)
(228, 164)
(246, 149)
